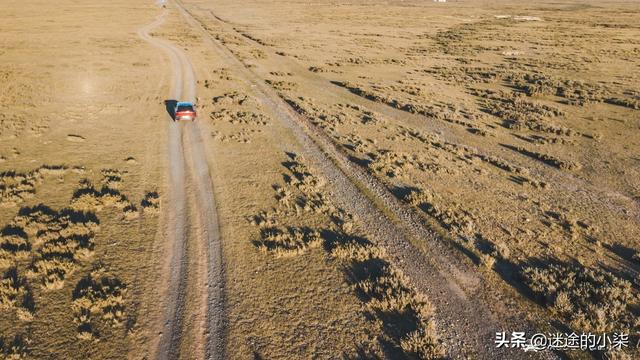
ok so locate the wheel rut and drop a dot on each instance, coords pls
(190, 220)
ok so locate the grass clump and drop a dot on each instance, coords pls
(14, 246)
(15, 348)
(452, 217)
(151, 202)
(288, 241)
(590, 300)
(87, 198)
(64, 238)
(15, 187)
(15, 295)
(98, 299)
(518, 113)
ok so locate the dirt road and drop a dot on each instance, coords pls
(190, 221)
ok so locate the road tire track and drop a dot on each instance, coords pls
(188, 169)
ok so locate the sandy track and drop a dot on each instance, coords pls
(467, 322)
(189, 219)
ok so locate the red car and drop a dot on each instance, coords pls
(184, 111)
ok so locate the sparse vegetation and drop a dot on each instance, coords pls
(498, 131)
(14, 246)
(547, 159)
(88, 198)
(460, 75)
(51, 246)
(575, 92)
(151, 202)
(452, 218)
(65, 237)
(15, 348)
(518, 113)
(379, 95)
(589, 299)
(406, 315)
(98, 297)
(16, 187)
(625, 102)
(15, 295)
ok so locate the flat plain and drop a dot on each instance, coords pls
(390, 179)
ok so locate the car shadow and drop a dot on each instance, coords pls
(170, 105)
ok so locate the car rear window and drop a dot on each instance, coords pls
(184, 108)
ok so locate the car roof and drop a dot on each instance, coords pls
(184, 103)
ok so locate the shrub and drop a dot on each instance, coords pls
(590, 300)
